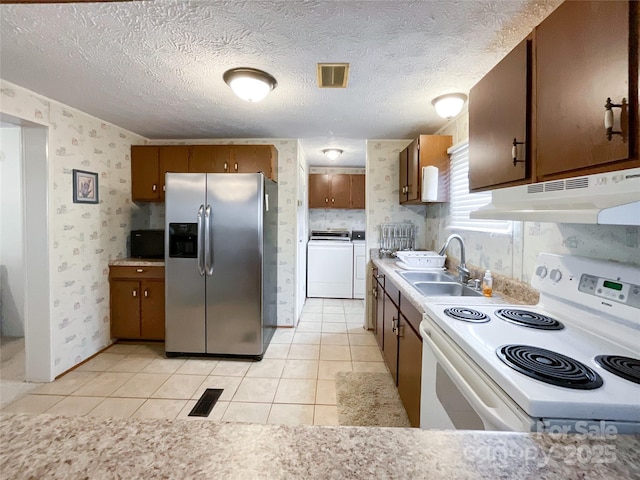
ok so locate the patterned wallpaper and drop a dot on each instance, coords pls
(324, 218)
(287, 214)
(84, 237)
(382, 192)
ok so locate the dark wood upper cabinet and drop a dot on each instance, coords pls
(499, 112)
(426, 150)
(209, 159)
(583, 58)
(145, 172)
(253, 159)
(336, 190)
(552, 90)
(173, 159)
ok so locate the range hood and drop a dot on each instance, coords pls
(611, 198)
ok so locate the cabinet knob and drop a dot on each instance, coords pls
(514, 152)
(333, 200)
(134, 293)
(236, 166)
(226, 166)
(154, 187)
(164, 188)
(146, 293)
(326, 200)
(608, 118)
(139, 270)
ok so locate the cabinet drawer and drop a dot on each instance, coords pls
(136, 272)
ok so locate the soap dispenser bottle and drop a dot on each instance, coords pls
(487, 284)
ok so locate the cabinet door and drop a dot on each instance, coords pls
(410, 360)
(252, 159)
(582, 58)
(152, 310)
(145, 173)
(390, 340)
(209, 159)
(173, 159)
(357, 191)
(433, 152)
(413, 171)
(379, 307)
(403, 180)
(319, 190)
(340, 190)
(125, 308)
(498, 113)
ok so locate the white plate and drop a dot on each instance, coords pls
(404, 266)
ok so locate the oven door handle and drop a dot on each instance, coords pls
(479, 404)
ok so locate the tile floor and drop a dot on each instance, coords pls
(293, 384)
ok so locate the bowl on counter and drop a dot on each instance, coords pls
(421, 259)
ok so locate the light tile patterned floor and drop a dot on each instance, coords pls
(293, 384)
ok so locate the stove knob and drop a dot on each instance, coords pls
(541, 271)
(555, 275)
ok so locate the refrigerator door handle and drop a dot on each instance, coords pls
(200, 241)
(208, 240)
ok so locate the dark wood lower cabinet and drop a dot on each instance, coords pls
(397, 324)
(410, 362)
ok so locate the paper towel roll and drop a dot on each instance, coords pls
(429, 184)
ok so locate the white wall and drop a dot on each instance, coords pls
(83, 237)
(12, 262)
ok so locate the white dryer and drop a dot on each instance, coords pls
(330, 264)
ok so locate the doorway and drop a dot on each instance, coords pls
(25, 330)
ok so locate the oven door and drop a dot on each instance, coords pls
(457, 394)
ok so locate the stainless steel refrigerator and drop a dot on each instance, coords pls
(220, 263)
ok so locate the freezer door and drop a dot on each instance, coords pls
(234, 264)
(184, 269)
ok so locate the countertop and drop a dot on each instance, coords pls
(388, 267)
(137, 262)
(44, 446)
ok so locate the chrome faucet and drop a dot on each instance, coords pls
(463, 272)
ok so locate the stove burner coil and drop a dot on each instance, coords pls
(549, 367)
(466, 315)
(624, 367)
(529, 319)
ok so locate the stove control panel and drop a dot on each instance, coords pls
(613, 290)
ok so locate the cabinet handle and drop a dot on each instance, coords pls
(333, 200)
(164, 188)
(236, 166)
(154, 187)
(514, 152)
(146, 293)
(139, 270)
(608, 118)
(326, 200)
(226, 166)
(134, 293)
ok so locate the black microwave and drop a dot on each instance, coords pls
(147, 243)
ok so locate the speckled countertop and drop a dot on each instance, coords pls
(514, 292)
(44, 446)
(137, 262)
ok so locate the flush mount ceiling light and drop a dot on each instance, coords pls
(249, 84)
(449, 105)
(332, 153)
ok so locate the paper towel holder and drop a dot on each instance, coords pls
(429, 191)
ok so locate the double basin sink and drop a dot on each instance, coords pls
(436, 284)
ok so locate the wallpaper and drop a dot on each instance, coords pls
(84, 237)
(287, 215)
(325, 218)
(383, 205)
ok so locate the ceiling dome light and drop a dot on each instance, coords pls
(332, 153)
(449, 105)
(249, 84)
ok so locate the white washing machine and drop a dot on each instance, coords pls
(330, 264)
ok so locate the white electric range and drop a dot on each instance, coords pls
(569, 363)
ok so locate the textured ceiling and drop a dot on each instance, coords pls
(155, 67)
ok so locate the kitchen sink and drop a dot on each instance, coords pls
(413, 277)
(445, 289)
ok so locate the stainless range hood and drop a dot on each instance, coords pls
(611, 198)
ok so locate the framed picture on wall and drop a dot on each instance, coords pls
(85, 187)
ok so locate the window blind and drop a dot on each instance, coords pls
(462, 202)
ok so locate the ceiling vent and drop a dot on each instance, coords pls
(333, 75)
